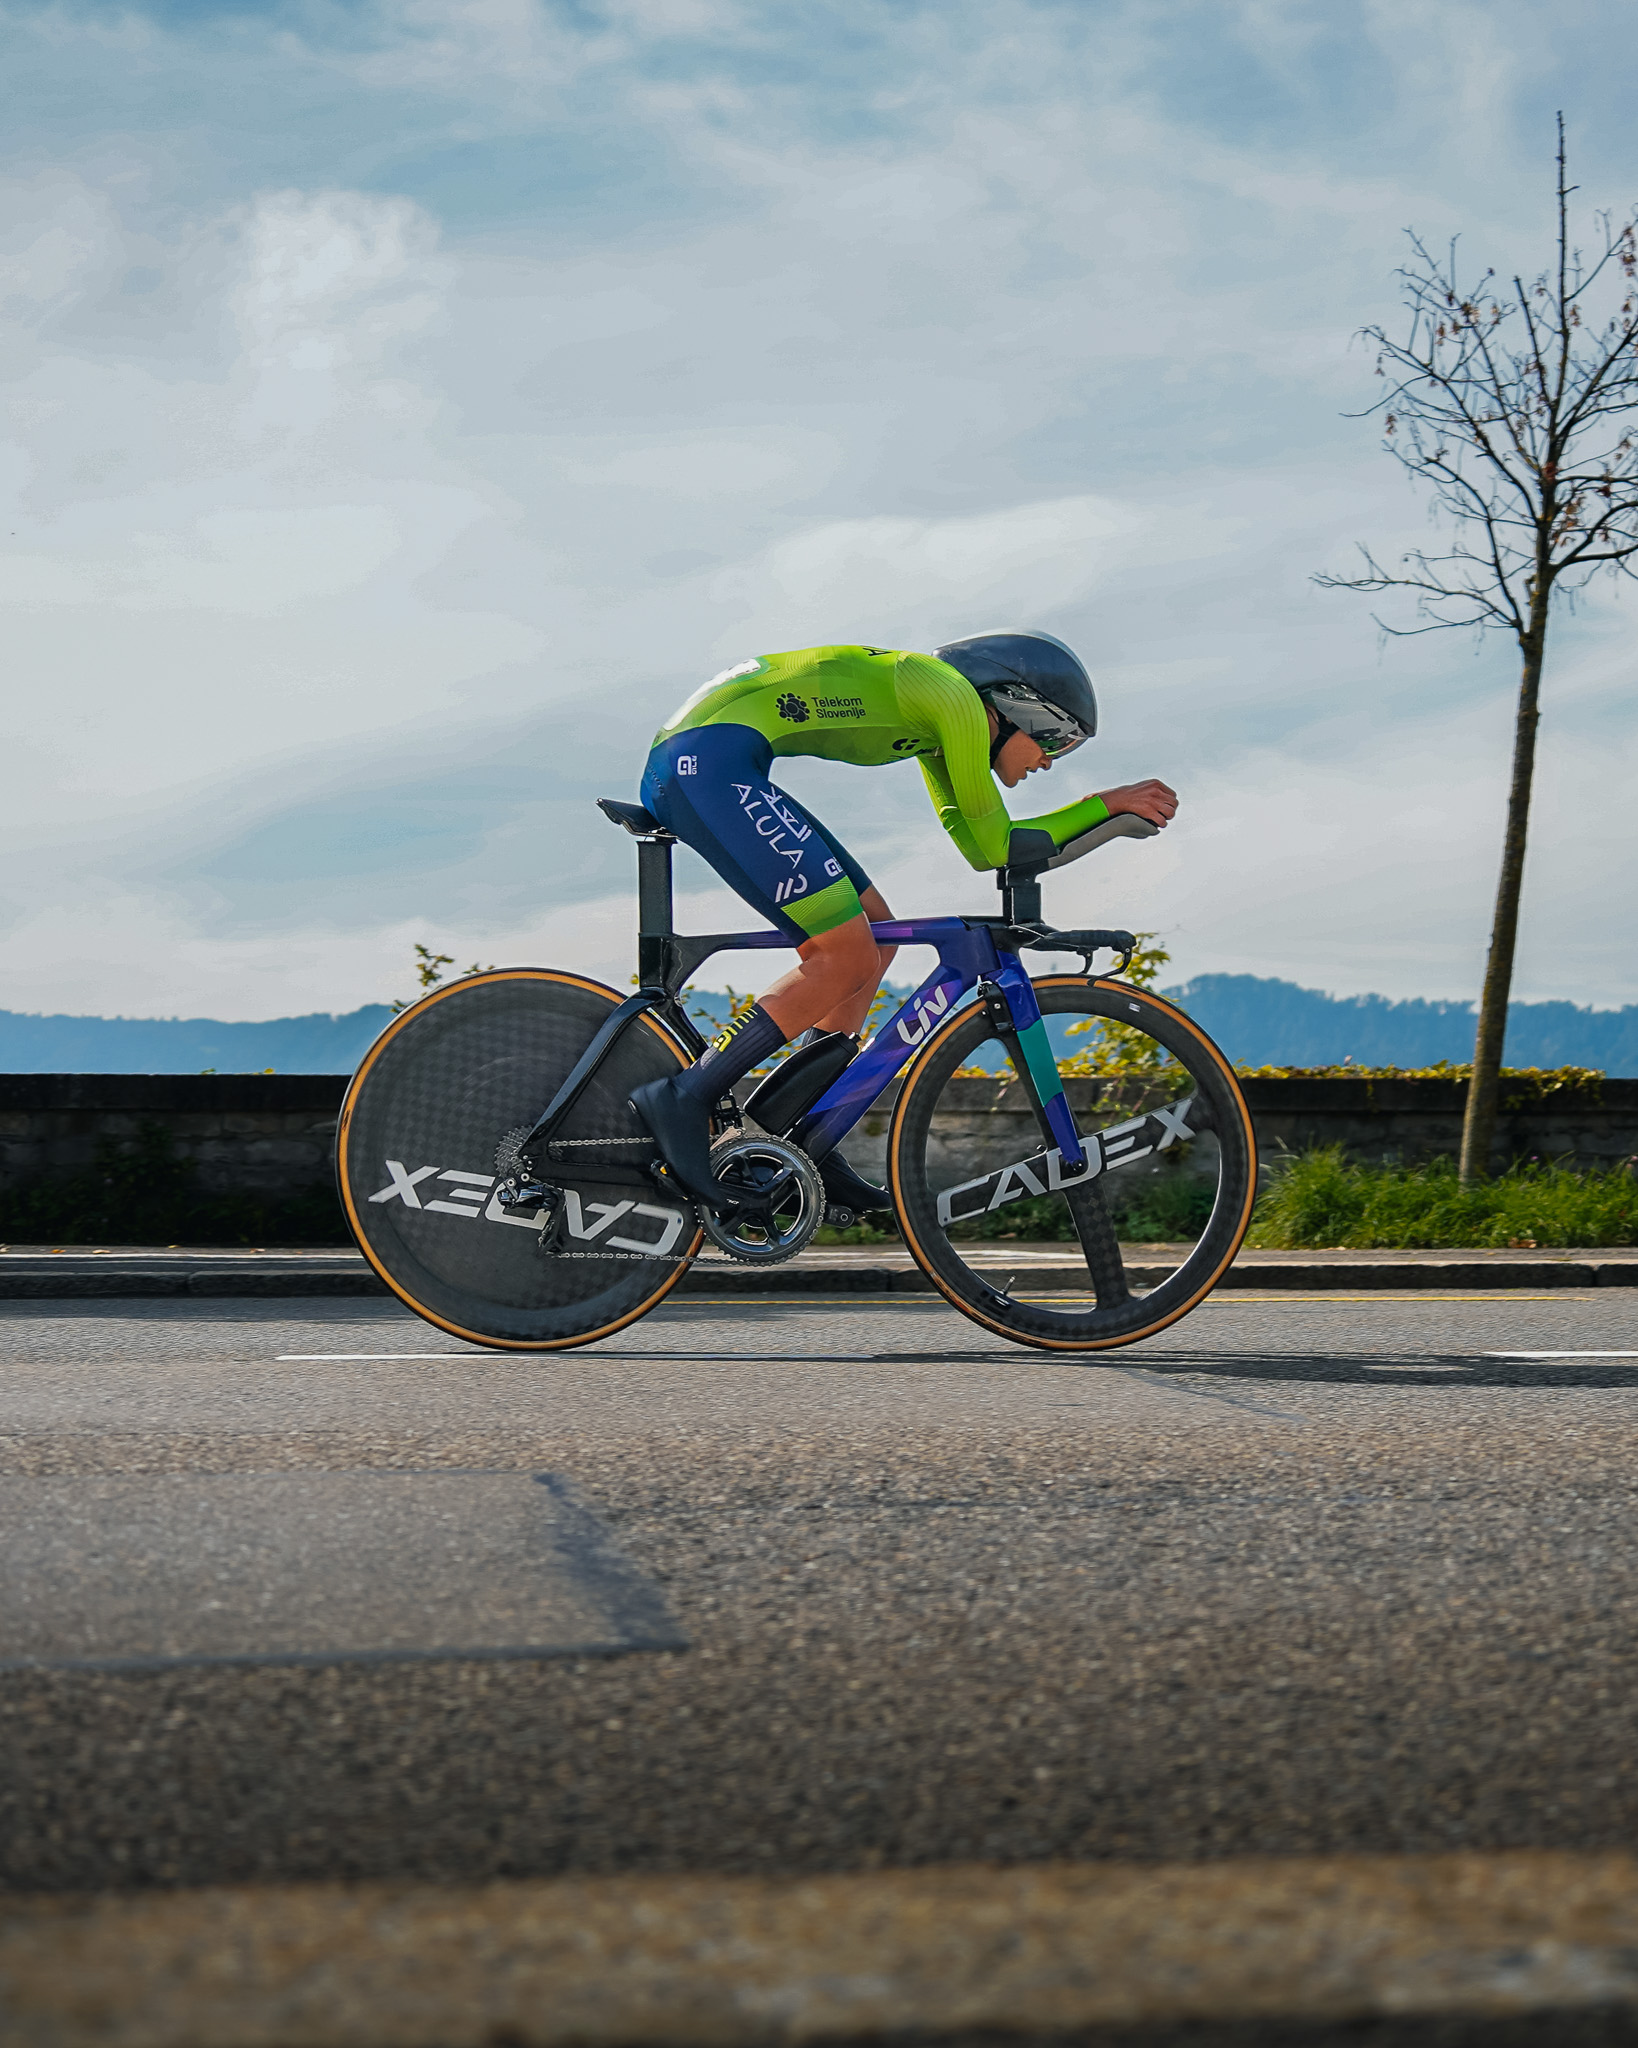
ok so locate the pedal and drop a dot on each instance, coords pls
(838, 1218)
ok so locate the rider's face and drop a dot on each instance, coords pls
(1018, 758)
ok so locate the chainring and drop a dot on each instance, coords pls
(762, 1164)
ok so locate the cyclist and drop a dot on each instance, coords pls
(991, 708)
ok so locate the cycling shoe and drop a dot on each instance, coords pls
(681, 1127)
(849, 1190)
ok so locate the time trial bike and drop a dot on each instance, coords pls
(496, 1176)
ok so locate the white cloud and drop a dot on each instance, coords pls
(694, 466)
(884, 572)
(249, 561)
(55, 233)
(1004, 318)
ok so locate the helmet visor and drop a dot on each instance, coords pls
(1052, 730)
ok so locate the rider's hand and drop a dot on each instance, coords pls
(1152, 800)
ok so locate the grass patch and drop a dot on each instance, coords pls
(142, 1193)
(1322, 1201)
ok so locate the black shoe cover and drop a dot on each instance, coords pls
(849, 1190)
(681, 1127)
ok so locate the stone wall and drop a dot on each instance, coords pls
(261, 1134)
(1372, 1120)
(271, 1134)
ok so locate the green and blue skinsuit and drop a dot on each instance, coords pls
(708, 776)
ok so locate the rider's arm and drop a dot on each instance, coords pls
(958, 777)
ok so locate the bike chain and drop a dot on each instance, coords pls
(628, 1258)
(616, 1258)
(581, 1144)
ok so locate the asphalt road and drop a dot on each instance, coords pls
(1301, 1575)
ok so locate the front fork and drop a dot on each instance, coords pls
(1015, 1016)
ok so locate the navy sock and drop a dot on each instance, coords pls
(732, 1056)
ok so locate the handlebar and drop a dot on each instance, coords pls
(1086, 944)
(1030, 852)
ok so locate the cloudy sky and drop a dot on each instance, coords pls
(407, 402)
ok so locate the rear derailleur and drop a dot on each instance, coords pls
(521, 1190)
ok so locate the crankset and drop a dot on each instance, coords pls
(783, 1196)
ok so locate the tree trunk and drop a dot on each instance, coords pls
(1479, 1124)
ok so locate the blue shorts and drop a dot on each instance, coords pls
(711, 787)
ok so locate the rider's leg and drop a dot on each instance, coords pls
(850, 1016)
(710, 787)
(837, 975)
(788, 999)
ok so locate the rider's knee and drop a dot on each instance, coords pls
(848, 949)
(876, 910)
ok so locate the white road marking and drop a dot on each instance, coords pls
(1561, 1354)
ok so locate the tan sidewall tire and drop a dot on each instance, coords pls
(343, 1178)
(917, 1073)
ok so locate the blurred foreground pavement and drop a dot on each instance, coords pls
(832, 1587)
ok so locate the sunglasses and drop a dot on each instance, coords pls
(1023, 711)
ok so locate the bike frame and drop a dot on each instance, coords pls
(979, 953)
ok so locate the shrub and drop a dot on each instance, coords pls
(1321, 1199)
(1520, 1085)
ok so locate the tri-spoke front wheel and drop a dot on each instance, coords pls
(1170, 1158)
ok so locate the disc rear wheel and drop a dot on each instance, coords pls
(1171, 1160)
(444, 1090)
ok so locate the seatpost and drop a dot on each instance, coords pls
(655, 921)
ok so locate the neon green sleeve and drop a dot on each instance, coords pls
(949, 815)
(958, 777)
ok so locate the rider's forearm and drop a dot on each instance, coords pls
(1068, 823)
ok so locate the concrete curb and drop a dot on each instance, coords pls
(39, 1275)
(956, 1952)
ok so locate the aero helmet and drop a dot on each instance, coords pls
(1033, 683)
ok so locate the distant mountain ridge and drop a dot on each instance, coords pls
(318, 1044)
(1257, 1020)
(1262, 1022)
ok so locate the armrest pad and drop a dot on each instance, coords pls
(1030, 847)
(1123, 825)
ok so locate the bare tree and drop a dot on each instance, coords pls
(1517, 406)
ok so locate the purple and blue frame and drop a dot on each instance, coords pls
(968, 957)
